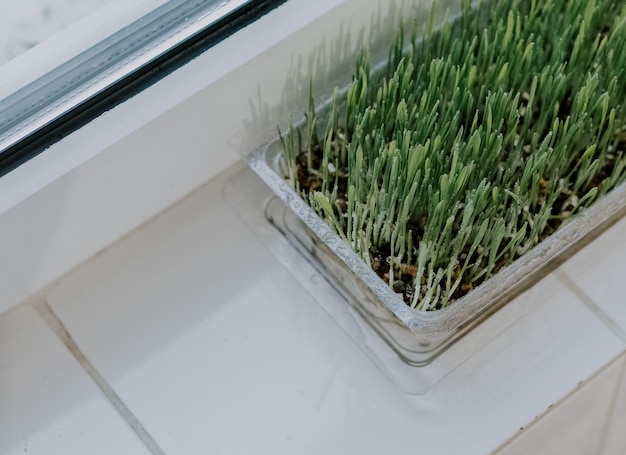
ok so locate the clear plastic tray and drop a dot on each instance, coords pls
(277, 227)
(417, 338)
(415, 349)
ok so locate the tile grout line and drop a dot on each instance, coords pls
(609, 421)
(596, 310)
(57, 326)
(538, 419)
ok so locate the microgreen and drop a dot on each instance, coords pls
(475, 143)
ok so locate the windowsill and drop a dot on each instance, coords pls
(195, 330)
(199, 333)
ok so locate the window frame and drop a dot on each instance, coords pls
(118, 67)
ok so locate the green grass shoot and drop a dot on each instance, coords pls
(481, 137)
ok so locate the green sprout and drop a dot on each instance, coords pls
(476, 143)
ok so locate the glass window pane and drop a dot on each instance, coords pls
(25, 24)
(104, 53)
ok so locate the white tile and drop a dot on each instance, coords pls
(526, 370)
(615, 440)
(216, 349)
(48, 404)
(575, 426)
(599, 269)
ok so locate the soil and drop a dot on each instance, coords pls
(404, 274)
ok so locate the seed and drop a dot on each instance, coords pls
(408, 269)
(398, 287)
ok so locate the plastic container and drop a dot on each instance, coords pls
(415, 349)
(405, 343)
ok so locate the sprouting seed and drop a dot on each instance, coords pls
(474, 145)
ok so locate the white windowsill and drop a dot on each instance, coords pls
(202, 335)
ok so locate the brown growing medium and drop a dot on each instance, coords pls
(380, 258)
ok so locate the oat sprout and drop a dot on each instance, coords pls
(479, 140)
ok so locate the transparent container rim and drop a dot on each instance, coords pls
(506, 284)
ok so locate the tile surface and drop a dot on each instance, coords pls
(214, 347)
(598, 270)
(48, 404)
(615, 437)
(575, 426)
